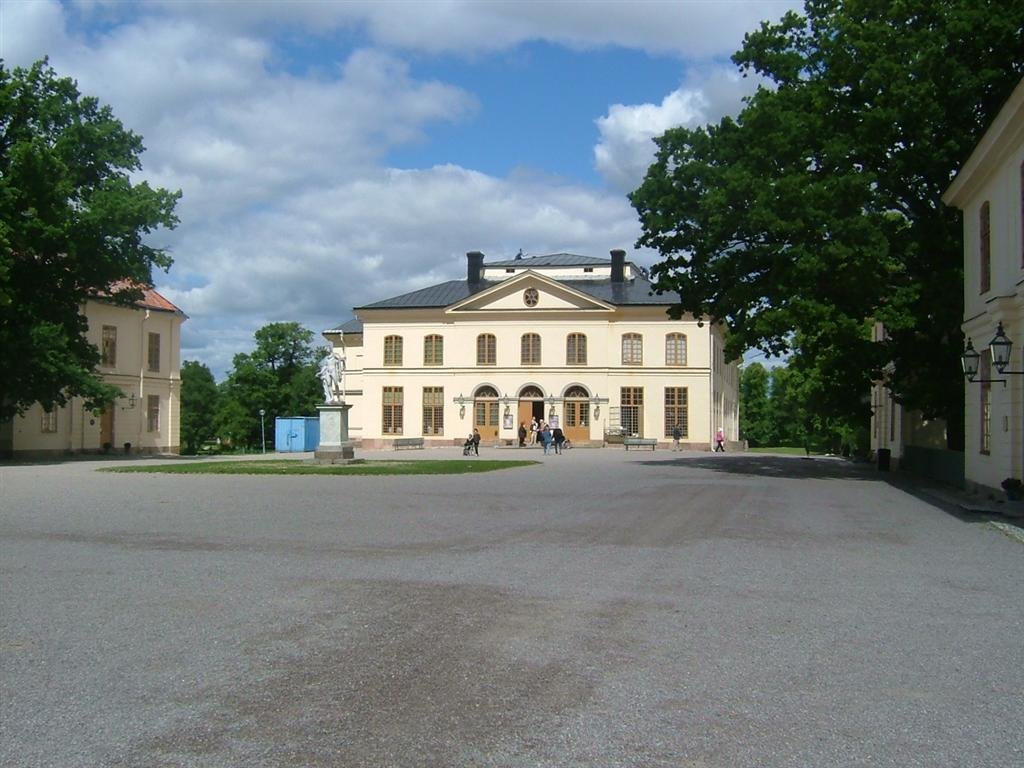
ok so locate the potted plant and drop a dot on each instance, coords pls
(1013, 487)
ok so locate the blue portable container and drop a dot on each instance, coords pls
(294, 434)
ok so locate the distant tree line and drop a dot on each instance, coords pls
(279, 376)
(781, 407)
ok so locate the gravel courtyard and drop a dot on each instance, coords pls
(601, 609)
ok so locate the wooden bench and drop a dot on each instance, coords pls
(407, 442)
(640, 442)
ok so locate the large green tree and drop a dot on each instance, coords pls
(817, 210)
(72, 225)
(279, 376)
(198, 405)
(755, 424)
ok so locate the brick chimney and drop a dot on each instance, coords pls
(618, 265)
(474, 267)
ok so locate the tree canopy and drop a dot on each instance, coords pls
(817, 210)
(198, 405)
(279, 376)
(72, 225)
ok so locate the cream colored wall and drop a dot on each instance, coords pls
(78, 429)
(602, 376)
(1001, 187)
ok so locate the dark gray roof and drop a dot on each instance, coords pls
(352, 325)
(550, 260)
(631, 292)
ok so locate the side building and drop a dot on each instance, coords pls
(576, 341)
(989, 189)
(139, 353)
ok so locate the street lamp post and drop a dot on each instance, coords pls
(263, 432)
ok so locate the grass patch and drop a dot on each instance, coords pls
(785, 449)
(292, 467)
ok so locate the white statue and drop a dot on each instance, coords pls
(332, 376)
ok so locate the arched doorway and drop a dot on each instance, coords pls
(576, 405)
(485, 412)
(531, 406)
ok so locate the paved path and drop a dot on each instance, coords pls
(601, 609)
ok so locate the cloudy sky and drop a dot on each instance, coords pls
(331, 154)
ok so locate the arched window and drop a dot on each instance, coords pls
(530, 349)
(530, 391)
(433, 350)
(486, 349)
(675, 349)
(485, 391)
(576, 349)
(632, 349)
(392, 350)
(576, 392)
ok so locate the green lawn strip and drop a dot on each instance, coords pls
(786, 449)
(420, 467)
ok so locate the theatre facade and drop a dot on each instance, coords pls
(576, 341)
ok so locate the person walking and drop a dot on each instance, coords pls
(545, 437)
(558, 437)
(533, 430)
(677, 435)
(719, 441)
(476, 441)
(522, 434)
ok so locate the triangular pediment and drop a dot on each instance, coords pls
(530, 292)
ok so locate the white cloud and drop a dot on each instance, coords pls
(626, 148)
(694, 28)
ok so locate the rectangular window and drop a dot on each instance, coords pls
(632, 349)
(392, 417)
(985, 412)
(49, 421)
(631, 400)
(433, 410)
(154, 352)
(576, 349)
(392, 350)
(433, 350)
(675, 349)
(108, 347)
(530, 350)
(985, 247)
(486, 349)
(676, 411)
(153, 413)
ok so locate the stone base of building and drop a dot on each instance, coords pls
(343, 455)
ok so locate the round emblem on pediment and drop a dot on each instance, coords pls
(530, 297)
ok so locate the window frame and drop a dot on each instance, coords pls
(433, 350)
(679, 407)
(108, 346)
(676, 346)
(393, 344)
(48, 420)
(433, 411)
(985, 247)
(576, 349)
(527, 354)
(152, 413)
(486, 349)
(632, 348)
(153, 352)
(392, 413)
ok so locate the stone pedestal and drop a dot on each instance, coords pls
(334, 443)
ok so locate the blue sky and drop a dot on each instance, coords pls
(333, 154)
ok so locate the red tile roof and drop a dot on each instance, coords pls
(150, 298)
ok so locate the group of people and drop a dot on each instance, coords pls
(541, 432)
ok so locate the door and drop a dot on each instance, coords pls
(577, 420)
(485, 418)
(107, 427)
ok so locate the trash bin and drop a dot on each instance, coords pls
(883, 459)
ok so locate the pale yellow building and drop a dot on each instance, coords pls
(573, 340)
(989, 189)
(140, 351)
